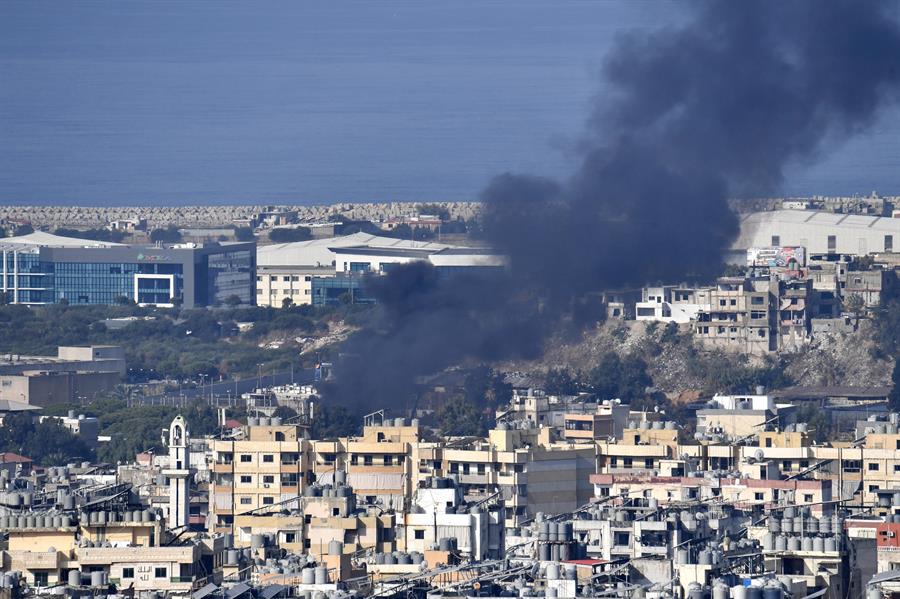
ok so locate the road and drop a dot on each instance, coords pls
(224, 392)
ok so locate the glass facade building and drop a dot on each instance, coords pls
(190, 274)
(342, 289)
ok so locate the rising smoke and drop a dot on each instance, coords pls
(711, 110)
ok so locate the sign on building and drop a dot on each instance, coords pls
(791, 257)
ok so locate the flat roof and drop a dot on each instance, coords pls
(800, 392)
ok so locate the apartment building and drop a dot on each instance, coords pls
(670, 303)
(124, 547)
(266, 468)
(741, 317)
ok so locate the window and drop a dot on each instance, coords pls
(733, 302)
(758, 496)
(889, 243)
(127, 572)
(768, 441)
(776, 240)
(388, 460)
(246, 479)
(757, 300)
(367, 460)
(832, 243)
(246, 458)
(268, 458)
(290, 537)
(807, 498)
(268, 500)
(268, 479)
(873, 467)
(246, 501)
(161, 572)
(41, 579)
(852, 466)
(419, 534)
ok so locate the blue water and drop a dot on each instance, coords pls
(140, 102)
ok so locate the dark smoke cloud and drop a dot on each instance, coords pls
(715, 109)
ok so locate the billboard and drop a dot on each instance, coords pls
(792, 257)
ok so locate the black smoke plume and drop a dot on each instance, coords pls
(700, 113)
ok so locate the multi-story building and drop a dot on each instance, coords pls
(40, 268)
(74, 375)
(670, 303)
(263, 470)
(276, 284)
(742, 316)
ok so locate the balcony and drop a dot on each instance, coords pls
(32, 560)
(474, 479)
(515, 478)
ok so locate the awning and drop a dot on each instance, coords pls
(787, 305)
(237, 590)
(205, 591)
(272, 591)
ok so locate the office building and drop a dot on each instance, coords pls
(40, 268)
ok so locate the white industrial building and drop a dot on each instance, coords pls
(318, 253)
(287, 270)
(819, 232)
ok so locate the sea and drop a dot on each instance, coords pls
(159, 102)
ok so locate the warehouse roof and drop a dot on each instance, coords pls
(42, 239)
(317, 252)
(756, 223)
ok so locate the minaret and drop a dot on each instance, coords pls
(179, 473)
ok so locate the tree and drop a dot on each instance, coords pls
(287, 303)
(124, 300)
(894, 397)
(232, 301)
(168, 235)
(25, 229)
(244, 234)
(483, 386)
(48, 443)
(285, 235)
(559, 381)
(462, 418)
(404, 231)
(855, 304)
(624, 378)
(434, 210)
(862, 263)
(332, 422)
